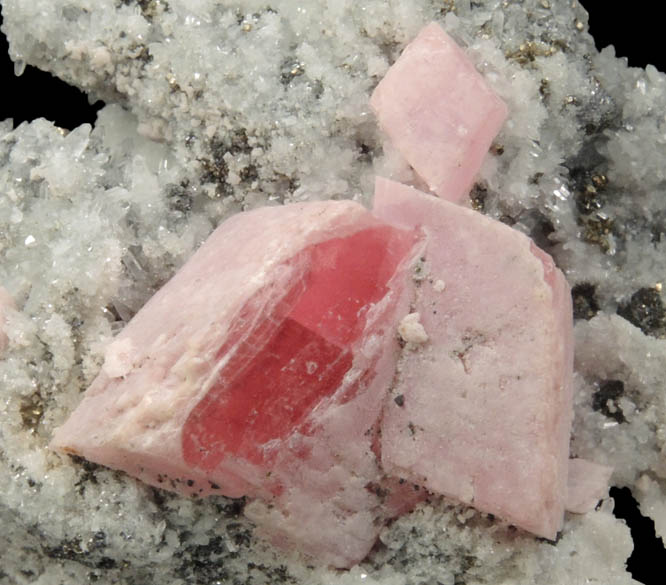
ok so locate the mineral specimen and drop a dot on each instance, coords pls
(255, 103)
(239, 370)
(439, 112)
(488, 401)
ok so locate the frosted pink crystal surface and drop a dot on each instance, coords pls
(260, 369)
(439, 112)
(587, 484)
(486, 407)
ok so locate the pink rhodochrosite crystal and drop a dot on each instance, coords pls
(587, 484)
(260, 369)
(486, 403)
(263, 397)
(439, 112)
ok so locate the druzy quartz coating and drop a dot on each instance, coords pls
(6, 305)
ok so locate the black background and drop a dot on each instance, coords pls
(634, 28)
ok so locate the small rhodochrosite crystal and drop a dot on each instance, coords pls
(486, 408)
(439, 112)
(587, 484)
(260, 369)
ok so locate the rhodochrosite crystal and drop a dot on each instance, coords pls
(263, 369)
(439, 112)
(587, 483)
(260, 369)
(487, 402)
(306, 349)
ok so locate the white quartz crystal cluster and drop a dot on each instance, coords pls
(215, 107)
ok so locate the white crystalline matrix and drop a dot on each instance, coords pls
(218, 107)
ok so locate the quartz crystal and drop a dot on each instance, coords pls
(6, 304)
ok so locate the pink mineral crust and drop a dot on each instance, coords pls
(6, 304)
(439, 112)
(260, 369)
(588, 483)
(486, 403)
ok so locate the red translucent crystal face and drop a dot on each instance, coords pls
(297, 354)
